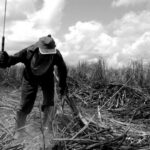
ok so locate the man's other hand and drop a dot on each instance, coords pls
(64, 91)
(3, 59)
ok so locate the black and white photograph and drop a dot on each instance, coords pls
(74, 74)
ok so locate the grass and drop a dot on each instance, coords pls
(99, 72)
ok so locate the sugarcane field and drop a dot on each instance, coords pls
(114, 106)
(75, 75)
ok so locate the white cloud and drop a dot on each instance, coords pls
(132, 24)
(118, 3)
(140, 48)
(49, 15)
(128, 40)
(123, 39)
(87, 41)
(132, 34)
(28, 20)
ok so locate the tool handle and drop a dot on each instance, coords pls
(3, 43)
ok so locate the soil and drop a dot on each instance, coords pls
(106, 126)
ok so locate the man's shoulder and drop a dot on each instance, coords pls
(32, 48)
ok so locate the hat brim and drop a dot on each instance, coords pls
(47, 51)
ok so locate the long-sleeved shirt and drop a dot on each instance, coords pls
(40, 66)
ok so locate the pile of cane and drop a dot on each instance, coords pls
(114, 113)
(116, 117)
(117, 98)
(102, 131)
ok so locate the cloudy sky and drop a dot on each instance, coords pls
(84, 30)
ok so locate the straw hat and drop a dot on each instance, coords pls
(47, 45)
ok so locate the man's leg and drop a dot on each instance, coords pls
(48, 105)
(28, 95)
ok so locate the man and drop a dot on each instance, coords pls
(39, 60)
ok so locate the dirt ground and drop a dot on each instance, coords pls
(33, 138)
(137, 132)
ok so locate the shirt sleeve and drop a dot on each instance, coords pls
(17, 57)
(62, 70)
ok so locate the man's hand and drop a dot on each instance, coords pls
(3, 59)
(63, 91)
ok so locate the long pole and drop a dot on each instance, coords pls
(4, 22)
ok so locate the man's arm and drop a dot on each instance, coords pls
(62, 71)
(17, 57)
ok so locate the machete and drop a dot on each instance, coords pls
(71, 103)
